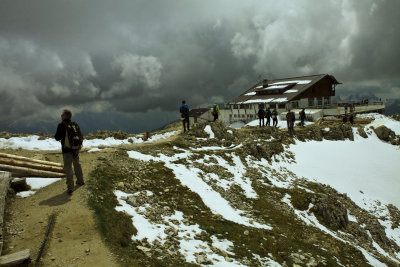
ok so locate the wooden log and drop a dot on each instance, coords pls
(31, 165)
(28, 172)
(5, 178)
(10, 156)
(15, 258)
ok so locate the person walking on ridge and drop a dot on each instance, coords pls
(184, 110)
(215, 111)
(70, 136)
(274, 118)
(261, 115)
(268, 115)
(290, 119)
(302, 115)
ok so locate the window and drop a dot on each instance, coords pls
(295, 104)
(281, 106)
(235, 106)
(235, 116)
(327, 100)
(230, 115)
(311, 102)
(241, 106)
(319, 99)
(272, 105)
(243, 116)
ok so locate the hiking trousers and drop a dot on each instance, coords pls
(69, 160)
(185, 122)
(268, 121)
(275, 122)
(261, 122)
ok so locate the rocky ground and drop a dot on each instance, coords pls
(280, 219)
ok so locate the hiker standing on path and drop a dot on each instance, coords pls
(184, 110)
(302, 115)
(261, 115)
(290, 119)
(269, 115)
(215, 111)
(71, 138)
(274, 118)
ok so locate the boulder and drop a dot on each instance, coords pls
(385, 134)
(333, 213)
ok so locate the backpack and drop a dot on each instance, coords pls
(215, 110)
(73, 136)
(185, 111)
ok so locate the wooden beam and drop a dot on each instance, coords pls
(28, 172)
(5, 178)
(30, 165)
(15, 258)
(10, 156)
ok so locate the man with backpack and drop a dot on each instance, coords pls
(184, 110)
(290, 119)
(274, 118)
(261, 115)
(71, 138)
(302, 115)
(215, 111)
(268, 115)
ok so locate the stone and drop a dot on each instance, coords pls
(246, 232)
(143, 249)
(202, 259)
(121, 185)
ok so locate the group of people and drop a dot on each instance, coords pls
(290, 118)
(185, 114)
(267, 114)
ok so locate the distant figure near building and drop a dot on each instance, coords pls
(274, 118)
(351, 118)
(268, 115)
(261, 116)
(71, 138)
(302, 115)
(290, 119)
(215, 111)
(184, 110)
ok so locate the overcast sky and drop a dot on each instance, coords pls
(144, 57)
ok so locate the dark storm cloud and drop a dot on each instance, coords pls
(138, 56)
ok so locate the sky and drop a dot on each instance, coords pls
(128, 64)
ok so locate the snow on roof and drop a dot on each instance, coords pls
(260, 86)
(280, 100)
(294, 81)
(258, 101)
(291, 91)
(251, 93)
(275, 87)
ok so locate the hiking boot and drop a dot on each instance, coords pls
(80, 183)
(69, 192)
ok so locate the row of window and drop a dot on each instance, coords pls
(249, 116)
(325, 100)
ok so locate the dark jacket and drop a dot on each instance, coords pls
(261, 113)
(290, 116)
(302, 115)
(60, 135)
(181, 110)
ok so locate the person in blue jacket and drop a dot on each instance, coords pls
(184, 110)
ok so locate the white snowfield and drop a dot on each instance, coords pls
(189, 245)
(33, 143)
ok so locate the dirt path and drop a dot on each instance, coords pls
(75, 240)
